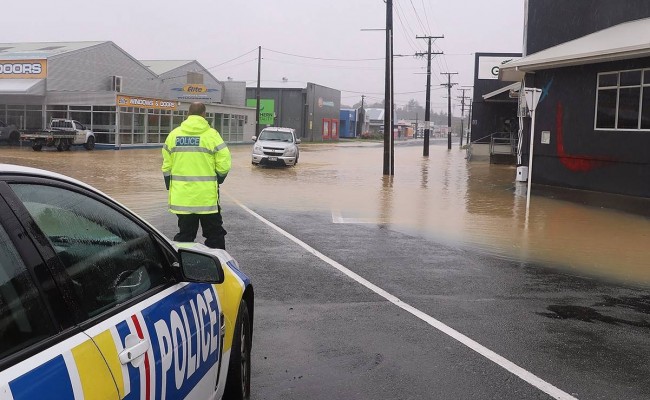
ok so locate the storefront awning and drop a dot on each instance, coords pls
(624, 41)
(515, 87)
(34, 87)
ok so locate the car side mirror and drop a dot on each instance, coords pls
(254, 138)
(298, 141)
(200, 267)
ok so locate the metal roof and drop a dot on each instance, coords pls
(41, 50)
(23, 86)
(515, 86)
(160, 67)
(619, 42)
(375, 113)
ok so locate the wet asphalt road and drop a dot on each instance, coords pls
(319, 334)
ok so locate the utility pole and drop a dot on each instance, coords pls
(258, 93)
(469, 122)
(427, 107)
(462, 113)
(388, 99)
(449, 85)
(361, 117)
(415, 135)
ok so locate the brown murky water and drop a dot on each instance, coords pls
(442, 197)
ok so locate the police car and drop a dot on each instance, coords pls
(95, 303)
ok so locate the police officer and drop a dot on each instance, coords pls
(195, 162)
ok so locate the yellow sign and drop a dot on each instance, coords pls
(143, 102)
(23, 69)
(195, 88)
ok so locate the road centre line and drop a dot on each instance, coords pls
(472, 344)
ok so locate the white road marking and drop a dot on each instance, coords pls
(337, 218)
(508, 365)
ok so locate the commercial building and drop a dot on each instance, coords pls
(592, 62)
(126, 102)
(313, 111)
(494, 111)
(349, 124)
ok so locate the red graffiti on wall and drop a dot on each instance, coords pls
(574, 162)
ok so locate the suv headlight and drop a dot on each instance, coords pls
(257, 149)
(290, 151)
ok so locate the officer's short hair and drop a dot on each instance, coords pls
(196, 108)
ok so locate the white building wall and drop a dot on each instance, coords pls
(91, 69)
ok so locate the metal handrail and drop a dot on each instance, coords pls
(499, 142)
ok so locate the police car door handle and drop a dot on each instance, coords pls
(131, 353)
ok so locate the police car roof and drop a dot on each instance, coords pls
(11, 169)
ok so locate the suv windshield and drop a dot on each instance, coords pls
(2, 124)
(279, 136)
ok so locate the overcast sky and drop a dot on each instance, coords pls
(216, 31)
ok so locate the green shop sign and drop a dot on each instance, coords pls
(267, 110)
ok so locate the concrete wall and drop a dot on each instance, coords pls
(234, 93)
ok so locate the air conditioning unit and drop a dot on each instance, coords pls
(116, 84)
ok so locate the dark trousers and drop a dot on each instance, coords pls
(211, 224)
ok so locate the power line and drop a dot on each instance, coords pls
(408, 36)
(335, 59)
(214, 66)
(231, 60)
(426, 16)
(417, 15)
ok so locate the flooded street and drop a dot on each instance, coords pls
(444, 198)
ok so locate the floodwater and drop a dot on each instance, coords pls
(442, 197)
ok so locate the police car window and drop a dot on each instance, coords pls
(22, 318)
(109, 258)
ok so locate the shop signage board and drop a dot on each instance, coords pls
(23, 69)
(267, 110)
(488, 67)
(144, 102)
(196, 92)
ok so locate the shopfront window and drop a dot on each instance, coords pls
(226, 126)
(34, 119)
(623, 100)
(178, 118)
(165, 121)
(217, 122)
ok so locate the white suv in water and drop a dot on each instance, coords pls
(276, 146)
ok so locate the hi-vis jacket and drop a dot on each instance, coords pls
(195, 157)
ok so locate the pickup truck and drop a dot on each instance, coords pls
(9, 133)
(63, 134)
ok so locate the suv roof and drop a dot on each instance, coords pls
(279, 129)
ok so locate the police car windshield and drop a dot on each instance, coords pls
(276, 136)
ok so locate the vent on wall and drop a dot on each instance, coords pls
(116, 84)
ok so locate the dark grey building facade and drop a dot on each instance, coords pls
(493, 110)
(592, 62)
(313, 111)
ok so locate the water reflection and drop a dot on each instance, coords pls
(441, 197)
